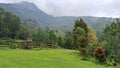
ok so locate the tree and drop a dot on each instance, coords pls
(91, 35)
(52, 35)
(80, 36)
(111, 35)
(39, 35)
(9, 24)
(24, 31)
(60, 41)
(52, 38)
(68, 41)
(45, 35)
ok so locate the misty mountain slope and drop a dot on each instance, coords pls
(28, 12)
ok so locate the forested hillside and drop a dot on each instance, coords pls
(29, 37)
(31, 14)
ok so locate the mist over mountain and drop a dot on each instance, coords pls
(29, 13)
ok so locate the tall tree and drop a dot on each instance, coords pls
(9, 24)
(52, 36)
(80, 37)
(111, 35)
(80, 33)
(68, 40)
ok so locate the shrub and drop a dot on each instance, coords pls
(13, 46)
(91, 48)
(5, 38)
(30, 47)
(26, 45)
(84, 53)
(99, 53)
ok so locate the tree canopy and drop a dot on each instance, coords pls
(111, 36)
(80, 33)
(9, 24)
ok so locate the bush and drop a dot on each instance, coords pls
(26, 45)
(13, 46)
(91, 48)
(30, 47)
(5, 38)
(99, 53)
(84, 53)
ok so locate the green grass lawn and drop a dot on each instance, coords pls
(52, 58)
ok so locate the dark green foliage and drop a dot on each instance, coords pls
(32, 14)
(80, 23)
(84, 53)
(26, 45)
(9, 24)
(60, 41)
(45, 35)
(111, 36)
(80, 37)
(91, 48)
(52, 36)
(23, 34)
(5, 41)
(41, 35)
(80, 34)
(13, 45)
(68, 40)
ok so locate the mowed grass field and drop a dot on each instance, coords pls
(52, 58)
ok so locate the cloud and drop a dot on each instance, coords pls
(101, 8)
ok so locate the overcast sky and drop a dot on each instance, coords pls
(99, 8)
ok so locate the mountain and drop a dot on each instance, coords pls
(28, 12)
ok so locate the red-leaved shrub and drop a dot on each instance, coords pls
(99, 53)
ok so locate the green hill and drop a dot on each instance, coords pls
(28, 12)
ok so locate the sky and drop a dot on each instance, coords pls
(98, 8)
